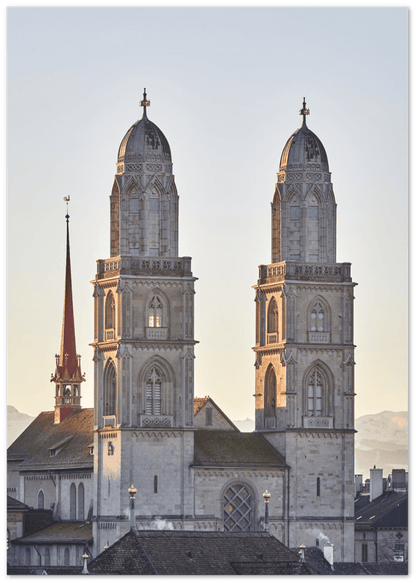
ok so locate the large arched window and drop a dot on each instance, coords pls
(41, 500)
(81, 501)
(66, 557)
(110, 389)
(316, 394)
(110, 308)
(270, 393)
(73, 502)
(153, 392)
(238, 509)
(155, 313)
(272, 321)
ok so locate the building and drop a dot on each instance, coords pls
(192, 469)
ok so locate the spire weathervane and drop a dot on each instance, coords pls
(304, 112)
(67, 199)
(144, 103)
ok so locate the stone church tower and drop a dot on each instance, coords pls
(305, 351)
(144, 346)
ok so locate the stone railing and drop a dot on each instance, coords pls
(156, 333)
(295, 270)
(155, 420)
(270, 423)
(318, 422)
(128, 265)
(319, 337)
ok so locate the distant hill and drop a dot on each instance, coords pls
(16, 423)
(245, 425)
(381, 440)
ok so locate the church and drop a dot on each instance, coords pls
(192, 468)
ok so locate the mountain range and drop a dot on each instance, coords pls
(381, 439)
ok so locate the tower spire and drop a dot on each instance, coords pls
(304, 112)
(67, 373)
(144, 102)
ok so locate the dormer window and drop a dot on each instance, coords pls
(52, 452)
(91, 449)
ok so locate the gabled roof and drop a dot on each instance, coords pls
(387, 511)
(200, 402)
(229, 449)
(74, 433)
(59, 532)
(196, 553)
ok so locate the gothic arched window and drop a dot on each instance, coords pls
(41, 500)
(28, 557)
(153, 392)
(73, 502)
(316, 391)
(110, 309)
(238, 509)
(273, 319)
(317, 318)
(110, 390)
(270, 393)
(66, 557)
(155, 312)
(47, 557)
(81, 496)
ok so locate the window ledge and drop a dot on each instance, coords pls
(157, 333)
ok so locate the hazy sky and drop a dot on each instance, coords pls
(225, 86)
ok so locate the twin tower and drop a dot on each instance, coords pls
(144, 347)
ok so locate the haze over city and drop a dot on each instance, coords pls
(226, 86)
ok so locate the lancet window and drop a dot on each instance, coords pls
(317, 318)
(272, 321)
(155, 312)
(110, 308)
(270, 393)
(153, 392)
(315, 395)
(110, 390)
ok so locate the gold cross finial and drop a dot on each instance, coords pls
(144, 103)
(304, 111)
(67, 199)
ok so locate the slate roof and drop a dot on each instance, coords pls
(13, 504)
(196, 553)
(59, 532)
(389, 510)
(200, 402)
(229, 449)
(34, 444)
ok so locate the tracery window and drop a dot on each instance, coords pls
(270, 393)
(317, 318)
(41, 500)
(110, 390)
(153, 392)
(238, 509)
(315, 395)
(155, 312)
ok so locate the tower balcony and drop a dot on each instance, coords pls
(304, 271)
(147, 266)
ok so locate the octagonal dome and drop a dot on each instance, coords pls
(304, 150)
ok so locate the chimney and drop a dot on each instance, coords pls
(398, 478)
(358, 478)
(329, 554)
(376, 483)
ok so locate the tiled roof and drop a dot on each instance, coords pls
(229, 448)
(196, 553)
(59, 532)
(388, 510)
(370, 569)
(33, 445)
(13, 504)
(200, 402)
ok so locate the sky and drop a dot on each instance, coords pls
(226, 86)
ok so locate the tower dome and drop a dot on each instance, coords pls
(144, 142)
(304, 150)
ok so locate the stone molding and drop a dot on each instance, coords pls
(260, 473)
(294, 270)
(147, 266)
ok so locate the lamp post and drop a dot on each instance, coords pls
(132, 491)
(85, 569)
(266, 497)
